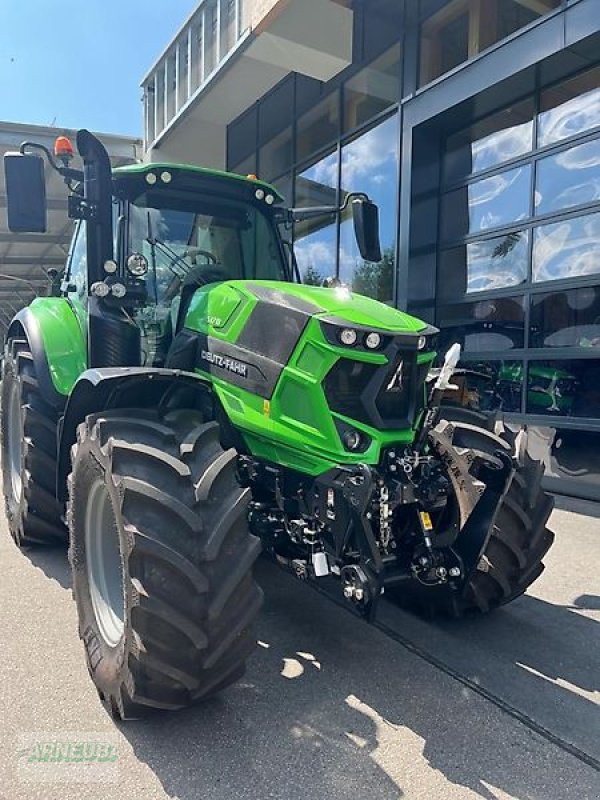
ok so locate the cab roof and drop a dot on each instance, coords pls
(191, 171)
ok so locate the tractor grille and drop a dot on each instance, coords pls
(384, 397)
(344, 386)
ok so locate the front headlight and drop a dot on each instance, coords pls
(137, 265)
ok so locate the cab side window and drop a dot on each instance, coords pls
(77, 273)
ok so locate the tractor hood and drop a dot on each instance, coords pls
(222, 307)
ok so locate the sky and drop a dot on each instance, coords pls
(79, 63)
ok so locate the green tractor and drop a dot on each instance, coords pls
(183, 402)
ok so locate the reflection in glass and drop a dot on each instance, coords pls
(315, 240)
(570, 108)
(283, 184)
(318, 127)
(372, 90)
(494, 140)
(567, 455)
(568, 179)
(490, 385)
(462, 28)
(275, 157)
(444, 40)
(564, 388)
(567, 249)
(370, 164)
(245, 167)
(488, 203)
(315, 254)
(482, 266)
(497, 324)
(566, 319)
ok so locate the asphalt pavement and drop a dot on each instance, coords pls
(506, 706)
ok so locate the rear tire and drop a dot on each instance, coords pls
(170, 620)
(28, 452)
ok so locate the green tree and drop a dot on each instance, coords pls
(312, 276)
(375, 279)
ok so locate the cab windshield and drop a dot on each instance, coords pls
(202, 238)
(194, 240)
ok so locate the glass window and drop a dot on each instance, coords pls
(494, 140)
(318, 127)
(78, 262)
(567, 454)
(570, 108)
(284, 186)
(241, 137)
(564, 388)
(171, 86)
(370, 164)
(182, 90)
(483, 266)
(490, 385)
(486, 325)
(567, 249)
(566, 319)
(197, 65)
(488, 203)
(210, 37)
(150, 133)
(245, 167)
(228, 31)
(197, 232)
(160, 100)
(382, 25)
(462, 28)
(372, 90)
(569, 178)
(275, 157)
(315, 240)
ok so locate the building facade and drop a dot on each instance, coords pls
(475, 125)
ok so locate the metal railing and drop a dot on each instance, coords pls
(191, 59)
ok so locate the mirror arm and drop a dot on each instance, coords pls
(66, 172)
(303, 214)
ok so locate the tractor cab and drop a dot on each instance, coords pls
(183, 227)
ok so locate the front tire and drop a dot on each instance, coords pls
(28, 452)
(520, 538)
(162, 559)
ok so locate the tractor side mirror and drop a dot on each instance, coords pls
(25, 193)
(365, 215)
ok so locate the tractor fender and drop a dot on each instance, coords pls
(57, 345)
(106, 388)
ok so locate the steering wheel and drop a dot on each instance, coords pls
(194, 252)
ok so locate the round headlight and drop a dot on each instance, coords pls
(165, 177)
(348, 337)
(151, 178)
(100, 289)
(110, 266)
(269, 199)
(352, 440)
(118, 290)
(259, 194)
(373, 340)
(137, 265)
(422, 342)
